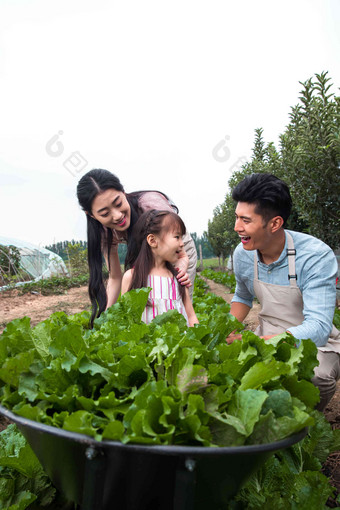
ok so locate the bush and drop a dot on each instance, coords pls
(220, 277)
(54, 285)
(77, 257)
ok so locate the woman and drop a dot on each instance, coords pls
(111, 214)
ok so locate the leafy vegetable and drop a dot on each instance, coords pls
(291, 479)
(161, 383)
(225, 278)
(22, 479)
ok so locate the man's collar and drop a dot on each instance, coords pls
(281, 258)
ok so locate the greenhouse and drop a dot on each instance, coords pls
(36, 262)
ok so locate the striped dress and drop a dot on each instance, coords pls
(164, 296)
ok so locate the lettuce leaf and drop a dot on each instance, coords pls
(22, 479)
(161, 383)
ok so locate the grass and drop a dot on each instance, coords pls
(209, 263)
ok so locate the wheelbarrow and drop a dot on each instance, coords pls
(109, 475)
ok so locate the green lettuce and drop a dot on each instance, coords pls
(22, 479)
(161, 383)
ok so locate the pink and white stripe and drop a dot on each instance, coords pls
(164, 296)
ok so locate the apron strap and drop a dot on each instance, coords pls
(291, 252)
(256, 276)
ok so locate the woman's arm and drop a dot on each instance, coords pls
(115, 277)
(190, 309)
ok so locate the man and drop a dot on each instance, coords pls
(292, 275)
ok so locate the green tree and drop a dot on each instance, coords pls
(310, 149)
(215, 234)
(220, 232)
(77, 257)
(202, 241)
(232, 238)
(207, 251)
(308, 160)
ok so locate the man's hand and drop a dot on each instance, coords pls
(237, 336)
(232, 337)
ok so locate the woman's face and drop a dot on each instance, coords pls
(112, 209)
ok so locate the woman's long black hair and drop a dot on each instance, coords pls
(94, 182)
(157, 223)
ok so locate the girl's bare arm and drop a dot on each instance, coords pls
(190, 309)
(126, 282)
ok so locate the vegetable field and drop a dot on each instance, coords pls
(178, 376)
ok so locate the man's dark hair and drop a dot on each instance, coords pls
(270, 195)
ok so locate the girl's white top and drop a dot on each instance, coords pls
(164, 296)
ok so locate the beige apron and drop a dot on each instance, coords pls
(282, 306)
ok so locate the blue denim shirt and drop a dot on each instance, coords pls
(316, 268)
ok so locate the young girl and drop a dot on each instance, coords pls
(111, 215)
(158, 235)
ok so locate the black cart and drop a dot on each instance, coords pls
(109, 475)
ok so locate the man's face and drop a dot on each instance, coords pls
(253, 232)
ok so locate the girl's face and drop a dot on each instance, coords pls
(112, 209)
(169, 246)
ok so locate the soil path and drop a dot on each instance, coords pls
(38, 307)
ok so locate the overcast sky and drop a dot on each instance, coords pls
(167, 95)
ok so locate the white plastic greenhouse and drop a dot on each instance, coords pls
(36, 261)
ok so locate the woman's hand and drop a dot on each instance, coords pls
(183, 277)
(182, 267)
